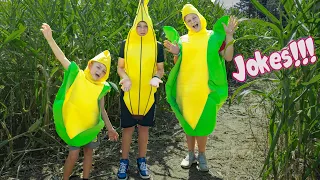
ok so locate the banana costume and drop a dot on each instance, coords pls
(140, 54)
(76, 110)
(197, 85)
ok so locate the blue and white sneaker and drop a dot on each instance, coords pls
(142, 168)
(123, 169)
(202, 165)
(190, 159)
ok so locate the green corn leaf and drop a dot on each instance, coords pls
(312, 80)
(237, 92)
(35, 125)
(15, 34)
(114, 86)
(266, 12)
(274, 27)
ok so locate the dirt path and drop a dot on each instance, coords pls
(235, 151)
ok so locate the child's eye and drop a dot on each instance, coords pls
(98, 67)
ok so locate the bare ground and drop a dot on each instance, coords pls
(235, 150)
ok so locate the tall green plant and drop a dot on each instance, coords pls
(294, 127)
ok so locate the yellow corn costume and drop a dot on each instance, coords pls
(197, 85)
(76, 108)
(140, 54)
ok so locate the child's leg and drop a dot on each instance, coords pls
(128, 124)
(143, 142)
(190, 158)
(88, 153)
(69, 164)
(202, 143)
(87, 161)
(143, 130)
(191, 141)
(126, 141)
(125, 147)
(143, 136)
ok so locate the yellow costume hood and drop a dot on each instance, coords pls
(142, 15)
(103, 58)
(190, 9)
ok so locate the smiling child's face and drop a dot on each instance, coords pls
(97, 70)
(193, 22)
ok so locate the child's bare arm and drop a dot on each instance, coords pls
(105, 115)
(160, 70)
(113, 135)
(47, 33)
(125, 82)
(121, 66)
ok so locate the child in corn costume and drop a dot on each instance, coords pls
(78, 109)
(140, 66)
(197, 85)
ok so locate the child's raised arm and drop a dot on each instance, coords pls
(47, 33)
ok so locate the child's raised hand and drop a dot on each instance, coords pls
(232, 26)
(46, 31)
(113, 135)
(173, 48)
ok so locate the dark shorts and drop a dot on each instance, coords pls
(92, 145)
(128, 120)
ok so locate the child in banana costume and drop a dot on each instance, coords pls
(197, 85)
(78, 109)
(140, 66)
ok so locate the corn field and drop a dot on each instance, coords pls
(294, 127)
(30, 76)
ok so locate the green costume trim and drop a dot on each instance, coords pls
(217, 81)
(86, 136)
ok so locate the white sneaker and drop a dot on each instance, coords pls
(189, 160)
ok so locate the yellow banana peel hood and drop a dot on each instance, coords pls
(140, 56)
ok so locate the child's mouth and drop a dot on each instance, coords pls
(97, 75)
(195, 26)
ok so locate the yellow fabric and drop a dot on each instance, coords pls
(140, 56)
(80, 114)
(192, 82)
(103, 58)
